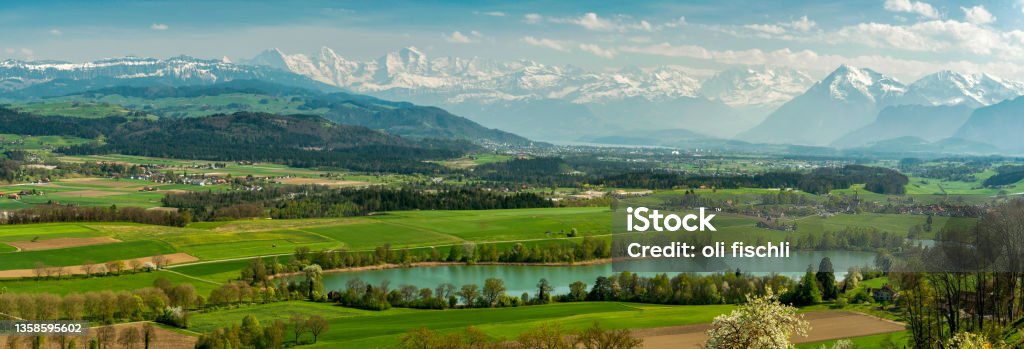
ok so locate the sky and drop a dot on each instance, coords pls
(901, 38)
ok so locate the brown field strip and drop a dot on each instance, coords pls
(825, 325)
(174, 258)
(49, 244)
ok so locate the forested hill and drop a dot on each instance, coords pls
(398, 118)
(296, 140)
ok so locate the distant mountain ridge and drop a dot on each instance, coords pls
(398, 118)
(46, 78)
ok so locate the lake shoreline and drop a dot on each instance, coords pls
(386, 266)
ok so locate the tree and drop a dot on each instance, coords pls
(544, 291)
(298, 326)
(135, 265)
(273, 335)
(597, 338)
(826, 278)
(148, 335)
(762, 323)
(494, 289)
(129, 336)
(469, 293)
(317, 325)
(159, 261)
(578, 291)
(105, 335)
(251, 332)
(548, 335)
(88, 267)
(314, 281)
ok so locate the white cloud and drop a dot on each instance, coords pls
(159, 26)
(681, 21)
(598, 50)
(978, 15)
(909, 6)
(808, 60)
(56, 31)
(24, 52)
(936, 36)
(458, 38)
(493, 13)
(590, 21)
(766, 28)
(803, 24)
(532, 18)
(545, 42)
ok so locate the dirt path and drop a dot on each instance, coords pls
(825, 325)
(174, 258)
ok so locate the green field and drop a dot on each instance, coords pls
(94, 192)
(113, 283)
(899, 339)
(364, 329)
(78, 255)
(80, 109)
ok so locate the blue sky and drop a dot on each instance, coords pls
(904, 38)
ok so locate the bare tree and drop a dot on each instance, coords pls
(135, 264)
(39, 269)
(88, 267)
(148, 334)
(159, 261)
(317, 325)
(105, 335)
(298, 326)
(129, 336)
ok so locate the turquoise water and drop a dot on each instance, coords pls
(519, 278)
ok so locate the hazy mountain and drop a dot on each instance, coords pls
(847, 99)
(397, 118)
(1000, 124)
(951, 88)
(914, 146)
(501, 93)
(929, 123)
(44, 78)
(761, 87)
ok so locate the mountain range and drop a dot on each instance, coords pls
(518, 96)
(849, 108)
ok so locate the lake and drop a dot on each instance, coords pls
(520, 278)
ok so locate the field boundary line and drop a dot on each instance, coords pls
(192, 277)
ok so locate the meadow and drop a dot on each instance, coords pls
(367, 329)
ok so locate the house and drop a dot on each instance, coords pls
(883, 294)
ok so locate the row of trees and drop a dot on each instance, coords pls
(103, 306)
(104, 337)
(288, 202)
(547, 336)
(64, 213)
(251, 334)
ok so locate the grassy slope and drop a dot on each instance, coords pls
(354, 328)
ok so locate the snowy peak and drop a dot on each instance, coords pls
(852, 84)
(409, 72)
(770, 87)
(273, 58)
(952, 88)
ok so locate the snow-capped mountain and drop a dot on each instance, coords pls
(758, 86)
(847, 99)
(952, 88)
(498, 92)
(63, 77)
(470, 78)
